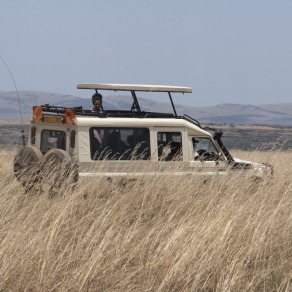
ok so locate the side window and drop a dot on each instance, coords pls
(204, 149)
(51, 139)
(169, 146)
(119, 143)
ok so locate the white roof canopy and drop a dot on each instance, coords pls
(134, 87)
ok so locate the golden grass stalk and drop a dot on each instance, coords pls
(161, 233)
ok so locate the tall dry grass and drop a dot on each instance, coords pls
(154, 234)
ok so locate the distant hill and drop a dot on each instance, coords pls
(269, 114)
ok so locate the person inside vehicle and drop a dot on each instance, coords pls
(97, 102)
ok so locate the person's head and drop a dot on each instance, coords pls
(97, 101)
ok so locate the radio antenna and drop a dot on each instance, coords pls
(22, 130)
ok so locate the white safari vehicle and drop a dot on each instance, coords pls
(80, 142)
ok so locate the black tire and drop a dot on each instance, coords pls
(26, 166)
(57, 169)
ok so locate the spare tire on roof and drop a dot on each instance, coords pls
(56, 167)
(26, 166)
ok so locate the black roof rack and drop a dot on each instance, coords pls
(124, 114)
(58, 109)
(110, 113)
(192, 120)
(116, 113)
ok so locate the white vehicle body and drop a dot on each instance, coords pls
(172, 143)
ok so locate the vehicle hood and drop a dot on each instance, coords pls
(259, 168)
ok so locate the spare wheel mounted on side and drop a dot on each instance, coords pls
(26, 166)
(56, 166)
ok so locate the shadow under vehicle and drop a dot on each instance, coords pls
(77, 142)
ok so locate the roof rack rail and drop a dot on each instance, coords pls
(58, 109)
(125, 114)
(134, 114)
(159, 115)
(53, 109)
(192, 120)
(111, 113)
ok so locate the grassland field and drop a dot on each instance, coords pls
(230, 233)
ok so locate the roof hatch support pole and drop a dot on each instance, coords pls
(172, 103)
(135, 105)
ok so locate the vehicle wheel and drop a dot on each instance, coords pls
(56, 169)
(26, 166)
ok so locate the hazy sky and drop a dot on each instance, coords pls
(236, 51)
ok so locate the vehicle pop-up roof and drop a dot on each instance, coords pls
(136, 87)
